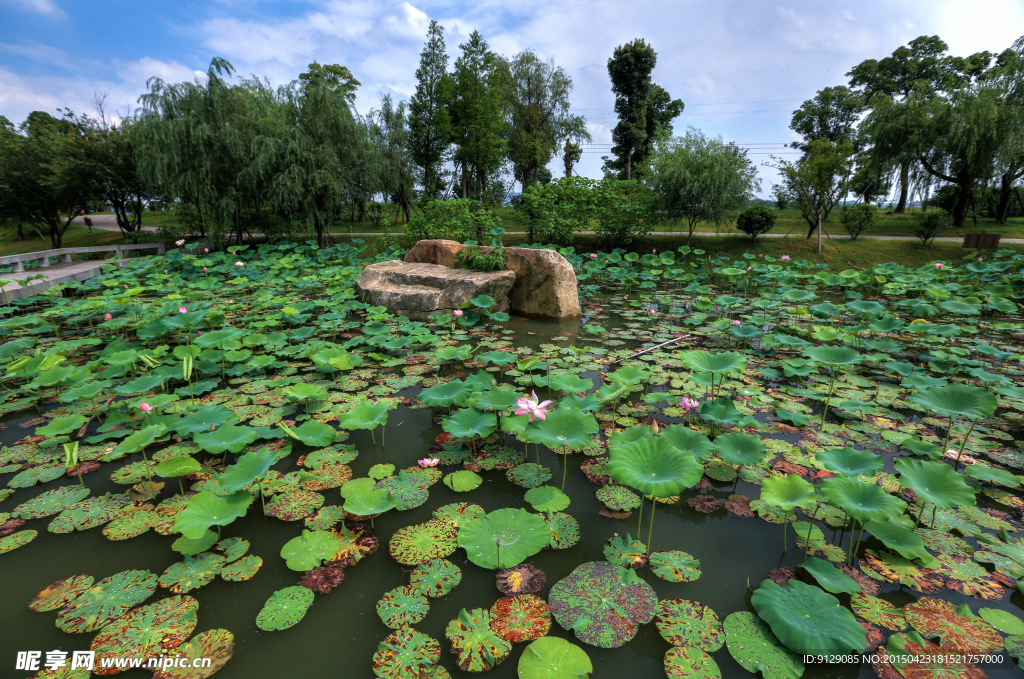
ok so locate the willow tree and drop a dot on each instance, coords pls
(389, 135)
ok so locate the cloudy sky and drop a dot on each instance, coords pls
(741, 67)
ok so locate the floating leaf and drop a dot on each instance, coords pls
(49, 503)
(462, 481)
(554, 658)
(459, 513)
(435, 577)
(89, 513)
(433, 539)
(675, 566)
(309, 550)
(476, 646)
(528, 475)
(285, 608)
(829, 577)
(654, 467)
(363, 498)
(958, 630)
(1004, 621)
(295, 505)
(603, 604)
(147, 631)
(751, 644)
(405, 653)
(241, 570)
(192, 573)
(689, 623)
(503, 538)
(618, 498)
(107, 600)
(547, 499)
(60, 593)
(626, 552)
(402, 607)
(217, 645)
(878, 611)
(565, 530)
(207, 509)
(520, 618)
(807, 619)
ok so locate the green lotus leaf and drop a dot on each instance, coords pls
(363, 499)
(246, 469)
(309, 550)
(617, 498)
(405, 653)
(788, 492)
(190, 547)
(565, 530)
(365, 415)
(689, 623)
(402, 607)
(808, 620)
(796, 419)
(724, 363)
(285, 608)
(1004, 621)
(435, 577)
(503, 538)
(147, 631)
(61, 593)
(215, 646)
(50, 502)
(13, 541)
(528, 475)
(740, 449)
(226, 438)
(654, 467)
(476, 646)
(470, 423)
(408, 491)
(444, 394)
(312, 433)
(625, 551)
(177, 466)
(462, 481)
(554, 658)
(565, 427)
(630, 374)
(956, 399)
(999, 476)
(498, 358)
(41, 474)
(137, 441)
(107, 600)
(233, 548)
(547, 499)
(241, 570)
(922, 447)
(207, 509)
(192, 573)
(497, 398)
(831, 356)
(862, 500)
(850, 462)
(935, 482)
(89, 513)
(829, 577)
(433, 539)
(63, 424)
(683, 662)
(878, 611)
(675, 566)
(684, 438)
(603, 604)
(898, 537)
(304, 391)
(203, 418)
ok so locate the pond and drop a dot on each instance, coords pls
(818, 394)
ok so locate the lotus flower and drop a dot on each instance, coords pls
(204, 268)
(940, 265)
(457, 313)
(736, 322)
(179, 243)
(182, 310)
(145, 407)
(759, 255)
(593, 255)
(654, 251)
(532, 406)
(784, 258)
(428, 462)
(980, 258)
(688, 404)
(239, 264)
(606, 261)
(206, 249)
(107, 316)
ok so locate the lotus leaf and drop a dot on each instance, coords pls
(61, 593)
(740, 449)
(444, 394)
(999, 476)
(863, 501)
(294, 505)
(246, 469)
(752, 644)
(727, 362)
(459, 513)
(61, 425)
(898, 537)
(554, 658)
(470, 423)
(958, 629)
(503, 538)
(312, 433)
(878, 611)
(218, 645)
(309, 550)
(192, 573)
(829, 577)
(137, 441)
(626, 552)
(476, 646)
(362, 498)
(408, 491)
(690, 663)
(405, 653)
(177, 466)
(285, 608)
(89, 513)
(833, 356)
(850, 462)
(565, 427)
(433, 539)
(402, 607)
(520, 618)
(528, 475)
(686, 439)
(1004, 621)
(131, 522)
(188, 547)
(462, 481)
(807, 619)
(366, 415)
(654, 467)
(435, 577)
(41, 474)
(379, 472)
(565, 530)
(689, 623)
(603, 604)
(206, 510)
(788, 492)
(618, 498)
(675, 566)
(107, 600)
(547, 499)
(892, 567)
(50, 502)
(911, 656)
(935, 482)
(956, 399)
(147, 631)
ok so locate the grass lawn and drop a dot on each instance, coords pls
(75, 237)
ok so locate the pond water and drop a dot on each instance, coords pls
(341, 630)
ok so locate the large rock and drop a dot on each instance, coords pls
(545, 285)
(417, 290)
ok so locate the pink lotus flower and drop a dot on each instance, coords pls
(179, 243)
(759, 255)
(939, 265)
(239, 264)
(652, 312)
(182, 310)
(784, 258)
(606, 261)
(428, 462)
(145, 407)
(212, 427)
(980, 258)
(199, 332)
(688, 404)
(165, 270)
(107, 316)
(457, 313)
(204, 268)
(654, 251)
(735, 322)
(206, 249)
(531, 406)
(593, 255)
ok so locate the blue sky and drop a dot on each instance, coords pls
(740, 66)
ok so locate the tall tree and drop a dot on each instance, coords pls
(430, 124)
(701, 179)
(390, 134)
(115, 156)
(645, 110)
(818, 180)
(537, 103)
(477, 117)
(832, 114)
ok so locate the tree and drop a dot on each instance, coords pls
(537, 103)
(46, 171)
(818, 180)
(430, 124)
(701, 179)
(755, 220)
(831, 114)
(645, 110)
(390, 135)
(115, 155)
(571, 155)
(477, 121)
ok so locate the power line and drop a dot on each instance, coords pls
(715, 103)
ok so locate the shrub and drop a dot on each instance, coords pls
(931, 224)
(552, 212)
(755, 220)
(857, 218)
(453, 219)
(476, 259)
(624, 211)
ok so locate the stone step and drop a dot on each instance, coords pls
(401, 296)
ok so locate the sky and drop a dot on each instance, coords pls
(740, 67)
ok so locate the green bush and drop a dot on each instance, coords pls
(857, 219)
(552, 212)
(755, 220)
(453, 219)
(476, 259)
(932, 224)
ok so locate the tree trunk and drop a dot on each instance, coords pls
(629, 164)
(962, 203)
(901, 206)
(1005, 193)
(819, 233)
(405, 203)
(465, 182)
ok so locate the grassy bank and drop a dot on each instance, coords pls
(75, 237)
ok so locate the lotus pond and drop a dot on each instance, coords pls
(723, 466)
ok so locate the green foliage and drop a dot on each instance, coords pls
(453, 220)
(857, 219)
(930, 225)
(476, 259)
(755, 220)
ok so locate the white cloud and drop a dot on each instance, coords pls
(136, 73)
(48, 7)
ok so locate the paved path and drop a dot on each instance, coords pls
(55, 273)
(109, 223)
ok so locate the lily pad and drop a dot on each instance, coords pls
(807, 619)
(241, 570)
(528, 475)
(476, 646)
(309, 550)
(617, 498)
(690, 663)
(503, 538)
(520, 618)
(459, 513)
(878, 611)
(285, 608)
(829, 577)
(147, 631)
(462, 480)
(408, 491)
(626, 552)
(295, 505)
(752, 644)
(433, 539)
(107, 600)
(1004, 621)
(192, 573)
(565, 530)
(15, 540)
(232, 548)
(689, 623)
(90, 513)
(603, 604)
(554, 658)
(405, 653)
(218, 645)
(958, 630)
(402, 607)
(60, 593)
(675, 566)
(49, 503)
(435, 577)
(547, 499)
